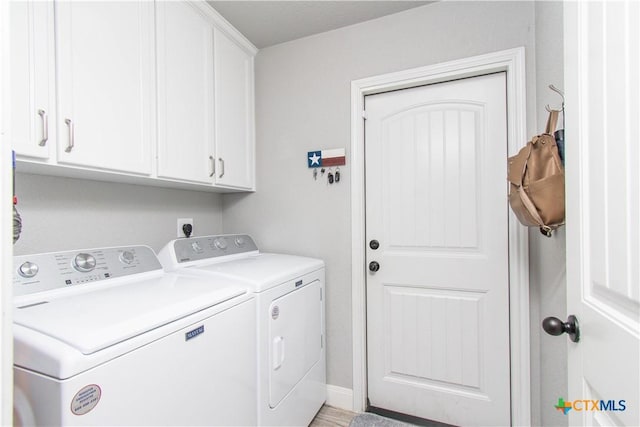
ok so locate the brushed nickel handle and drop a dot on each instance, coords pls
(71, 136)
(221, 166)
(213, 166)
(45, 127)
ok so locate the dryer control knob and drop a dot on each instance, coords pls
(28, 269)
(84, 262)
(127, 257)
(220, 243)
(240, 241)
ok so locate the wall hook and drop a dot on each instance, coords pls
(559, 92)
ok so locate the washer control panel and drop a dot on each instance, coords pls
(206, 247)
(43, 272)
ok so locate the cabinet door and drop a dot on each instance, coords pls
(185, 93)
(32, 72)
(234, 114)
(106, 84)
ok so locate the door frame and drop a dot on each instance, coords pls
(6, 230)
(513, 62)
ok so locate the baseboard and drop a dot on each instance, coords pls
(340, 397)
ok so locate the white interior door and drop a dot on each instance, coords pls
(436, 202)
(602, 82)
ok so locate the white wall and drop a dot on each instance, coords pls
(302, 104)
(63, 214)
(547, 255)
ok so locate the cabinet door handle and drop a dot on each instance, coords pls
(221, 166)
(213, 166)
(71, 136)
(45, 127)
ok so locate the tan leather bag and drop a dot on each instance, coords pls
(536, 179)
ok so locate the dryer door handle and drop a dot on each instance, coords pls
(277, 354)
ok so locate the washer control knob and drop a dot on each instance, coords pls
(220, 243)
(127, 257)
(84, 262)
(240, 241)
(28, 269)
(196, 247)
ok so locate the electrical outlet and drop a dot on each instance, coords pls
(181, 223)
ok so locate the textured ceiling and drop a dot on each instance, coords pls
(266, 23)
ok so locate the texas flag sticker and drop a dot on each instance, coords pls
(326, 158)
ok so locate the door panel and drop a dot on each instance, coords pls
(436, 206)
(602, 79)
(234, 113)
(185, 93)
(105, 53)
(432, 337)
(32, 68)
(438, 308)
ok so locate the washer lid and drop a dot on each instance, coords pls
(263, 271)
(95, 320)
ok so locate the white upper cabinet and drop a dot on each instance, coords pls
(157, 93)
(185, 93)
(234, 113)
(31, 64)
(106, 86)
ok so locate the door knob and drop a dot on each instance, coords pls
(555, 326)
(374, 266)
(374, 244)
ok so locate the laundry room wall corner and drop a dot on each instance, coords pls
(303, 104)
(547, 265)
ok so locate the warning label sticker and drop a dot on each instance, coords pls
(86, 399)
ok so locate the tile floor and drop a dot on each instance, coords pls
(328, 416)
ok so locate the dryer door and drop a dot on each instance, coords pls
(295, 339)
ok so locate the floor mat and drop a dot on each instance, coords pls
(372, 420)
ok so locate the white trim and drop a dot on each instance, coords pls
(513, 62)
(225, 26)
(6, 228)
(339, 397)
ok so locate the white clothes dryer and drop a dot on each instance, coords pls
(106, 337)
(290, 324)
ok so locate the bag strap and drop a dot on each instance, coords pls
(526, 200)
(552, 122)
(531, 208)
(529, 147)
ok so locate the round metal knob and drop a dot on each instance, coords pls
(374, 266)
(127, 257)
(555, 326)
(240, 241)
(28, 269)
(374, 244)
(220, 243)
(84, 262)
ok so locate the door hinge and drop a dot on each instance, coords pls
(364, 114)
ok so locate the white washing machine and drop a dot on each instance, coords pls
(106, 337)
(289, 293)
